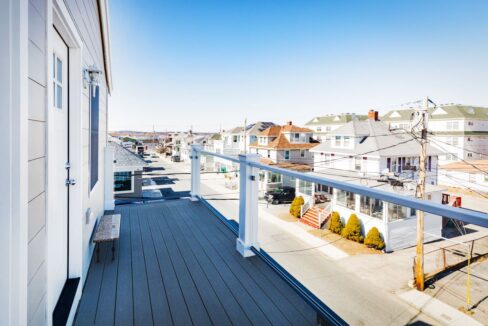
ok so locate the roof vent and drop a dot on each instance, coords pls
(290, 123)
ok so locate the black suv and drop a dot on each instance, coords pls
(280, 195)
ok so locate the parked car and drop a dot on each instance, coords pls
(280, 195)
(175, 158)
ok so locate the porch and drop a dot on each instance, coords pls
(176, 263)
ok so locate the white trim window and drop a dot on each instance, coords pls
(337, 142)
(287, 154)
(302, 153)
(452, 125)
(123, 182)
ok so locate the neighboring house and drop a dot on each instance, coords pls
(55, 84)
(324, 125)
(466, 175)
(460, 131)
(128, 169)
(285, 146)
(369, 153)
(371, 148)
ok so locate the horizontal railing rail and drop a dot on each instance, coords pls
(457, 213)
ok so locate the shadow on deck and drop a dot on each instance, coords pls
(176, 263)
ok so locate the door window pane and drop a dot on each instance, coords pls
(59, 97)
(59, 72)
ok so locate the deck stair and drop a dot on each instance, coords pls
(315, 217)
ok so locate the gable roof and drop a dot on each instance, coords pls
(376, 139)
(274, 131)
(281, 142)
(335, 119)
(255, 128)
(441, 112)
(125, 158)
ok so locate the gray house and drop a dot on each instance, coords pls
(128, 168)
(55, 79)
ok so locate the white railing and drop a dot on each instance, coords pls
(324, 213)
(249, 167)
(305, 207)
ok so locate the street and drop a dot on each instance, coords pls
(362, 289)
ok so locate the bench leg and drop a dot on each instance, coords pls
(113, 249)
(98, 252)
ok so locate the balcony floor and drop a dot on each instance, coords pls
(176, 263)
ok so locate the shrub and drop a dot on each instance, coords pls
(295, 206)
(335, 224)
(374, 239)
(352, 231)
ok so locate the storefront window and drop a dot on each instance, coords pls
(371, 206)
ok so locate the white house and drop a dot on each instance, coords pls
(286, 146)
(369, 153)
(468, 175)
(324, 125)
(460, 131)
(55, 80)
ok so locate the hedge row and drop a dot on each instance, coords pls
(352, 231)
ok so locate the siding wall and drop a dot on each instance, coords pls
(86, 17)
(36, 290)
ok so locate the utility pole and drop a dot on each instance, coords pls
(420, 129)
(245, 139)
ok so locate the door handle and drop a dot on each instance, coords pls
(70, 182)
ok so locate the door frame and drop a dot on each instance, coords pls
(59, 17)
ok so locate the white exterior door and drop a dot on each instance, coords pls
(59, 112)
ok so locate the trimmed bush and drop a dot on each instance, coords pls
(335, 224)
(352, 231)
(295, 206)
(374, 239)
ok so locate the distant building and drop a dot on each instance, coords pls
(460, 131)
(285, 146)
(324, 125)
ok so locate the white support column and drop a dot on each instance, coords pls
(248, 205)
(195, 172)
(109, 178)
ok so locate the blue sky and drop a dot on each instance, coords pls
(208, 64)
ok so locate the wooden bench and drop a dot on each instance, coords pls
(108, 229)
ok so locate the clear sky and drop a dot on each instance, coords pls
(208, 64)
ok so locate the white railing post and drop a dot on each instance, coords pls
(109, 179)
(195, 172)
(248, 205)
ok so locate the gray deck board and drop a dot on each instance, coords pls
(176, 263)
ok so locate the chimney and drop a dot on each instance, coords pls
(289, 123)
(373, 115)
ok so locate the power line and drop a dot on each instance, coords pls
(458, 147)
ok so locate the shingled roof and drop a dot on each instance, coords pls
(441, 113)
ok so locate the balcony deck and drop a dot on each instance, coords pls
(176, 263)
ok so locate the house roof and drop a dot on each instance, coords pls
(287, 165)
(376, 139)
(281, 142)
(274, 131)
(125, 158)
(255, 128)
(470, 167)
(440, 113)
(335, 119)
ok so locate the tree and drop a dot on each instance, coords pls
(295, 206)
(374, 239)
(335, 225)
(352, 231)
